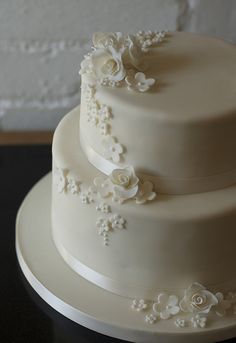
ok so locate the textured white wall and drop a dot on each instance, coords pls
(42, 43)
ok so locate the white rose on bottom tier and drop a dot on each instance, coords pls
(125, 184)
(197, 299)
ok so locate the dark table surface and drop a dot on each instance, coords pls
(24, 316)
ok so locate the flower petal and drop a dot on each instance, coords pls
(219, 296)
(143, 88)
(158, 308)
(134, 181)
(211, 298)
(174, 310)
(115, 157)
(140, 77)
(151, 196)
(150, 82)
(173, 300)
(147, 186)
(118, 148)
(165, 314)
(163, 298)
(185, 305)
(125, 193)
(194, 288)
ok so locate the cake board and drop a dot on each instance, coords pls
(81, 301)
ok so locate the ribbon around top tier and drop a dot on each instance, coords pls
(164, 185)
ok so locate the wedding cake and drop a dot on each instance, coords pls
(144, 174)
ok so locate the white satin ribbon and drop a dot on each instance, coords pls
(121, 288)
(105, 282)
(165, 185)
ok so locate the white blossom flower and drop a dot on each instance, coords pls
(145, 192)
(103, 186)
(73, 186)
(199, 321)
(222, 305)
(166, 305)
(139, 82)
(139, 305)
(125, 183)
(180, 323)
(103, 207)
(150, 318)
(197, 299)
(117, 222)
(112, 150)
(103, 225)
(104, 113)
(61, 179)
(87, 197)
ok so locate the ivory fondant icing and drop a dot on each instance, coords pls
(183, 129)
(166, 244)
(144, 174)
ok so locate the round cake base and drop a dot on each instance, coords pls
(82, 301)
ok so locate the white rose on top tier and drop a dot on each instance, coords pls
(115, 55)
(107, 64)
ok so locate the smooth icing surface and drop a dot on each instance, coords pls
(168, 243)
(184, 127)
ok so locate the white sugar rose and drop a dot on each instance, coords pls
(105, 39)
(107, 64)
(197, 299)
(125, 183)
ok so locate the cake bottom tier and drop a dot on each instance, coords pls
(138, 250)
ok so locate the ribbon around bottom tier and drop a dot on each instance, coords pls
(164, 185)
(128, 290)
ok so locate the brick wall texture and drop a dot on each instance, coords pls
(42, 43)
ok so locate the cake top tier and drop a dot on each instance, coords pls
(187, 75)
(173, 103)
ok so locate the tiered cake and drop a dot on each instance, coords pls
(144, 174)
